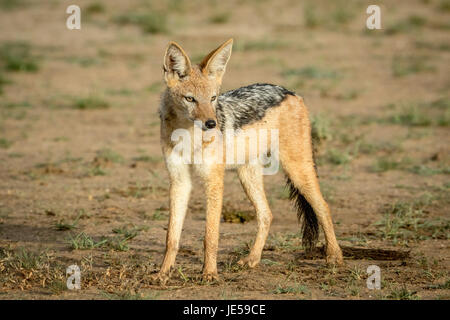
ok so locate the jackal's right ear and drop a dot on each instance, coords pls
(176, 63)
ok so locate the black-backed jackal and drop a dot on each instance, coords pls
(192, 99)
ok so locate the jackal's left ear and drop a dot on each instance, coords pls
(215, 62)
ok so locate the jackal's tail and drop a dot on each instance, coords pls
(306, 216)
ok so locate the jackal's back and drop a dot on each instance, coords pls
(245, 105)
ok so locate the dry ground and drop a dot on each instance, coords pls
(82, 180)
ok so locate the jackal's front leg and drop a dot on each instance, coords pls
(180, 188)
(214, 194)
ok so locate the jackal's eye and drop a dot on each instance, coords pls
(213, 98)
(189, 99)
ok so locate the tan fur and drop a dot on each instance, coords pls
(290, 118)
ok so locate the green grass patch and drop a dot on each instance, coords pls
(385, 163)
(411, 116)
(444, 6)
(23, 259)
(406, 65)
(3, 81)
(439, 46)
(338, 157)
(424, 170)
(311, 72)
(295, 289)
(149, 159)
(159, 215)
(238, 216)
(12, 4)
(259, 45)
(4, 143)
(402, 294)
(404, 221)
(150, 22)
(320, 128)
(411, 23)
(127, 295)
(16, 56)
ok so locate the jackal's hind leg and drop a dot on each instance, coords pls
(252, 181)
(307, 183)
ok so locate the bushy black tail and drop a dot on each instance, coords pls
(310, 225)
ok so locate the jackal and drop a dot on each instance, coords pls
(192, 96)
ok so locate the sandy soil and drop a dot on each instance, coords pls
(80, 154)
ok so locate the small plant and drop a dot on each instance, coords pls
(64, 226)
(118, 243)
(127, 233)
(89, 103)
(220, 18)
(95, 8)
(84, 242)
(109, 155)
(356, 273)
(310, 17)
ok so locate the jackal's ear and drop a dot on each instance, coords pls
(176, 63)
(215, 62)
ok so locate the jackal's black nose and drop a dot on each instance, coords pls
(210, 124)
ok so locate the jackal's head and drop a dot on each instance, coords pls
(193, 89)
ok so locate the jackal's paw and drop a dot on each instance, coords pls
(249, 261)
(335, 258)
(160, 278)
(210, 276)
